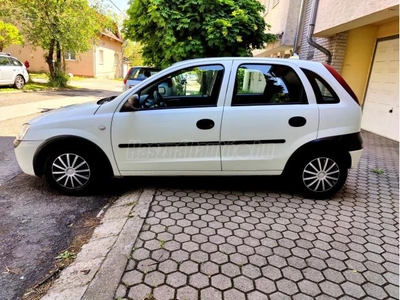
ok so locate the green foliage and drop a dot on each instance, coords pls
(9, 35)
(59, 80)
(58, 26)
(173, 30)
(133, 52)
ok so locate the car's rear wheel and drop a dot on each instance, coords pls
(320, 176)
(70, 171)
(19, 82)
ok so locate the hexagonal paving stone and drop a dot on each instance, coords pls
(176, 279)
(287, 286)
(154, 278)
(186, 292)
(132, 278)
(265, 285)
(234, 294)
(243, 284)
(189, 267)
(199, 280)
(221, 282)
(140, 291)
(209, 268)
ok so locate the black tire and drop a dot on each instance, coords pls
(320, 176)
(19, 82)
(70, 171)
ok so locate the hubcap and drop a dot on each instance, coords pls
(19, 82)
(321, 174)
(71, 171)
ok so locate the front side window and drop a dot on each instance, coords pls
(192, 87)
(265, 84)
(4, 61)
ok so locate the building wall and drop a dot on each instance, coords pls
(337, 16)
(85, 64)
(35, 57)
(108, 58)
(359, 54)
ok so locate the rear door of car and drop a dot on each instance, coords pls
(269, 113)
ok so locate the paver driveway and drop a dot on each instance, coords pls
(245, 244)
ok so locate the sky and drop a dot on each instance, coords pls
(121, 4)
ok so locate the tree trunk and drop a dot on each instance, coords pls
(49, 60)
(58, 63)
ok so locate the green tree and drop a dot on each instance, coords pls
(173, 30)
(9, 35)
(59, 26)
(133, 52)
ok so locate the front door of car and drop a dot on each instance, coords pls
(269, 117)
(177, 127)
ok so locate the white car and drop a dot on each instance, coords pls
(12, 71)
(241, 116)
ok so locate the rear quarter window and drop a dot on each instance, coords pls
(324, 93)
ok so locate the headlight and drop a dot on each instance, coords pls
(21, 135)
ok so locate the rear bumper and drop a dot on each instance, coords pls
(355, 158)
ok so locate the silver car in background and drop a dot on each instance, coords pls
(12, 71)
(136, 75)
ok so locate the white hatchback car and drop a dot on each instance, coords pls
(240, 116)
(12, 71)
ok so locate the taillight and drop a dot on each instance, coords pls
(342, 82)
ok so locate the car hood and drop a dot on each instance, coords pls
(67, 112)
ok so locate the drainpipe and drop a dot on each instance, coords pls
(296, 37)
(311, 32)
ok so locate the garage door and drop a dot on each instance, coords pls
(381, 105)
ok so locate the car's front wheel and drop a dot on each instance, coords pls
(19, 82)
(320, 176)
(70, 171)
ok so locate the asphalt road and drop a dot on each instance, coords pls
(37, 224)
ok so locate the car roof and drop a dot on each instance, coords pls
(298, 62)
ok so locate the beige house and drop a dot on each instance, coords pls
(103, 60)
(362, 38)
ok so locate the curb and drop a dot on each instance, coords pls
(98, 268)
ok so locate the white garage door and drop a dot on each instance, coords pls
(381, 106)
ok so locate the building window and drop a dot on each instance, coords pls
(101, 57)
(70, 55)
(116, 58)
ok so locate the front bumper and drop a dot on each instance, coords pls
(25, 153)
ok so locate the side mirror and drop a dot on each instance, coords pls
(134, 102)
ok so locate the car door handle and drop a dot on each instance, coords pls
(205, 124)
(297, 121)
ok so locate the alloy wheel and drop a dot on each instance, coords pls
(70, 171)
(321, 174)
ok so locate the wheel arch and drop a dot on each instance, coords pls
(336, 145)
(68, 141)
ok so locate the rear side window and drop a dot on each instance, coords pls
(322, 90)
(16, 62)
(141, 73)
(266, 84)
